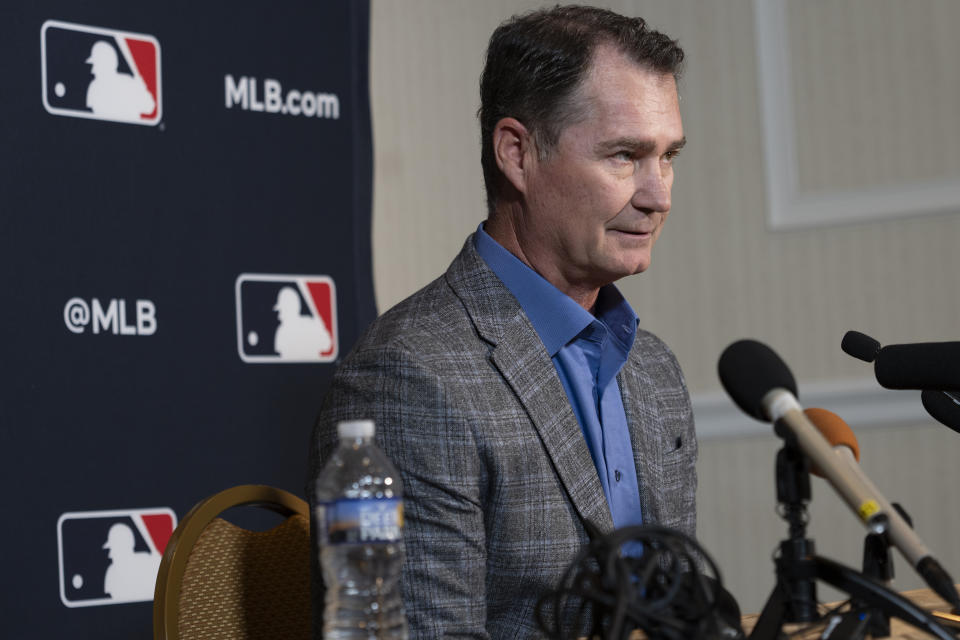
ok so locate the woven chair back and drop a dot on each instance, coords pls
(219, 581)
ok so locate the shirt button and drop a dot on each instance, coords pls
(616, 474)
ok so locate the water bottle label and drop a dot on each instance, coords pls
(363, 521)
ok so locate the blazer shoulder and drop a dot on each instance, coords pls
(649, 351)
(462, 311)
(431, 321)
(653, 365)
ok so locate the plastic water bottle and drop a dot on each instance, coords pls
(360, 520)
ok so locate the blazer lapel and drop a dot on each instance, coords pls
(646, 434)
(521, 358)
(524, 363)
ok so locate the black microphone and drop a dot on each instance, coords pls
(748, 369)
(943, 406)
(761, 384)
(923, 365)
(860, 346)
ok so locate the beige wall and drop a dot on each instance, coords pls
(875, 104)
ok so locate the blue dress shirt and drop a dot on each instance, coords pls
(587, 352)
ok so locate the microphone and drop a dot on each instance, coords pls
(921, 365)
(762, 386)
(900, 533)
(943, 406)
(860, 346)
(837, 433)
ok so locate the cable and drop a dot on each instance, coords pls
(644, 577)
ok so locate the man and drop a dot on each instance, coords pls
(524, 408)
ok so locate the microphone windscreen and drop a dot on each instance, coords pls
(860, 346)
(748, 371)
(924, 365)
(942, 408)
(834, 430)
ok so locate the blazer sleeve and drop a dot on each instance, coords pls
(436, 453)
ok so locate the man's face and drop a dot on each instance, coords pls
(596, 205)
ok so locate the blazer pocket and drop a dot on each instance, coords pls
(675, 477)
(673, 445)
(674, 457)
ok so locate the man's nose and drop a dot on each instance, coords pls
(652, 187)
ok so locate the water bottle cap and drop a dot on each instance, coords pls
(350, 429)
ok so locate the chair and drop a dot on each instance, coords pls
(218, 580)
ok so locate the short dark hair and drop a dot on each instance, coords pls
(537, 61)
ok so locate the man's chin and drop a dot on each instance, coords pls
(626, 271)
(636, 264)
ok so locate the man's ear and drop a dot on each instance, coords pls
(513, 148)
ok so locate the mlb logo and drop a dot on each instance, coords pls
(104, 74)
(286, 318)
(111, 557)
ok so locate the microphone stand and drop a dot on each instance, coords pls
(877, 564)
(862, 619)
(794, 596)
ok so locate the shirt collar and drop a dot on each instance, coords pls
(555, 316)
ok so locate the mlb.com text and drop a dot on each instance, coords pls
(243, 93)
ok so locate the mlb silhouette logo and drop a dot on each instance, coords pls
(111, 557)
(104, 74)
(286, 318)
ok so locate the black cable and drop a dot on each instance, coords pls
(646, 577)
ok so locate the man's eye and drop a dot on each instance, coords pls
(670, 156)
(626, 156)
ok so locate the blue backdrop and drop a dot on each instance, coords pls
(185, 245)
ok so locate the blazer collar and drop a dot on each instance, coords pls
(523, 361)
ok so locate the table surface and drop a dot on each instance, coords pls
(899, 630)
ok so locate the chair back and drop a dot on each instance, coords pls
(218, 580)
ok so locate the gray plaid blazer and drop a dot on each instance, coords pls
(498, 480)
